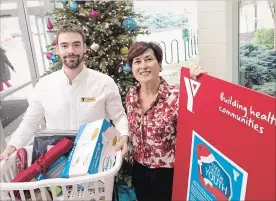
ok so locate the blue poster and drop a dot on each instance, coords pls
(212, 175)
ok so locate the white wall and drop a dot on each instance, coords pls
(218, 38)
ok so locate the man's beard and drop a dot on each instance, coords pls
(66, 61)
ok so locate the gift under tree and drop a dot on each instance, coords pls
(110, 28)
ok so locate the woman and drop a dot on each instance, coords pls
(5, 75)
(152, 110)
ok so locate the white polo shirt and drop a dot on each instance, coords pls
(92, 96)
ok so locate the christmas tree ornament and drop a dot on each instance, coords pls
(126, 68)
(54, 58)
(129, 24)
(49, 24)
(95, 47)
(74, 6)
(124, 50)
(64, 2)
(93, 14)
(48, 55)
(54, 43)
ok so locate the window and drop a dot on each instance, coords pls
(172, 25)
(257, 51)
(162, 14)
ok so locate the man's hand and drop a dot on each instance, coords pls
(122, 145)
(196, 71)
(7, 152)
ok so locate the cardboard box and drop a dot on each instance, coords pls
(94, 149)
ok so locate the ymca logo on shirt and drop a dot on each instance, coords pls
(192, 87)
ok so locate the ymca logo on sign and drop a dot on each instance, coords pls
(192, 87)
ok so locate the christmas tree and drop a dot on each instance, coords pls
(110, 29)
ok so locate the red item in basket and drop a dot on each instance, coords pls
(45, 160)
(21, 164)
(21, 160)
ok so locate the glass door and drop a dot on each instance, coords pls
(14, 51)
(41, 37)
(18, 65)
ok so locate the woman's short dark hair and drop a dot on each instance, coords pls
(139, 48)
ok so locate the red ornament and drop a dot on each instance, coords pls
(54, 43)
(49, 55)
(93, 14)
(49, 24)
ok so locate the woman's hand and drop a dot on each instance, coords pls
(196, 71)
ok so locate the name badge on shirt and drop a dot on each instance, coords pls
(88, 99)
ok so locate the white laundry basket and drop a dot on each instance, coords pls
(95, 187)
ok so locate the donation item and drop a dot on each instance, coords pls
(94, 149)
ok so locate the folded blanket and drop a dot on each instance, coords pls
(45, 160)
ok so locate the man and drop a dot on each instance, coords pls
(72, 96)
